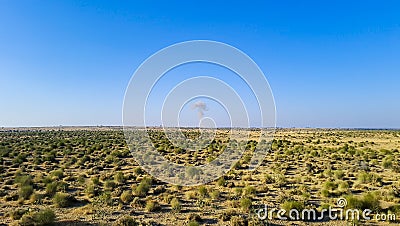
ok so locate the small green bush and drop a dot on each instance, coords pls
(193, 223)
(329, 185)
(138, 171)
(90, 189)
(25, 191)
(119, 178)
(62, 200)
(51, 188)
(105, 199)
(58, 174)
(367, 201)
(125, 221)
(202, 191)
(269, 179)
(109, 185)
(387, 163)
(143, 187)
(289, 205)
(17, 214)
(245, 203)
(221, 182)
(325, 193)
(249, 191)
(23, 180)
(215, 194)
(152, 206)
(43, 217)
(176, 205)
(36, 198)
(339, 174)
(238, 221)
(126, 197)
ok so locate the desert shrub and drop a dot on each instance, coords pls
(62, 186)
(90, 189)
(221, 182)
(62, 200)
(143, 187)
(328, 173)
(339, 174)
(25, 191)
(138, 171)
(109, 185)
(190, 195)
(43, 217)
(203, 192)
(51, 188)
(193, 217)
(269, 179)
(95, 180)
(125, 221)
(367, 201)
(105, 199)
(57, 174)
(364, 177)
(17, 214)
(167, 198)
(280, 181)
(395, 209)
(20, 158)
(215, 194)
(23, 180)
(159, 189)
(343, 186)
(227, 215)
(255, 221)
(119, 178)
(176, 205)
(126, 196)
(245, 203)
(47, 179)
(36, 198)
(353, 202)
(329, 185)
(238, 221)
(396, 167)
(290, 204)
(325, 193)
(81, 179)
(152, 206)
(249, 191)
(387, 163)
(238, 191)
(193, 223)
(138, 203)
(371, 201)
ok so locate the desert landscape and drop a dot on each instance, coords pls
(87, 176)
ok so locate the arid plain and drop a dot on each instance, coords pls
(87, 176)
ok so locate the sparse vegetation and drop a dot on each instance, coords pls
(63, 200)
(90, 174)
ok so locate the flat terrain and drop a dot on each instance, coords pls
(87, 176)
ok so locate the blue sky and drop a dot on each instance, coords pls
(330, 64)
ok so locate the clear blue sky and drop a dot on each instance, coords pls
(329, 63)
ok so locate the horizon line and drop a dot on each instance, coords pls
(191, 127)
